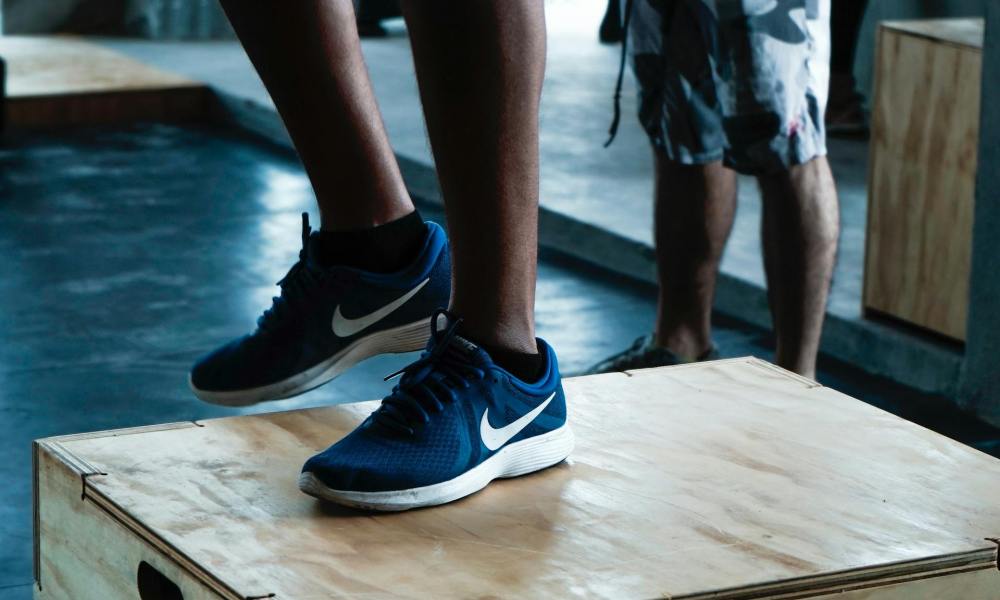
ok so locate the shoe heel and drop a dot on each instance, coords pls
(406, 338)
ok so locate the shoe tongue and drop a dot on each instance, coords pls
(457, 344)
(469, 351)
(463, 345)
(312, 251)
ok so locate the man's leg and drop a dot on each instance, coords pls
(480, 67)
(442, 432)
(673, 61)
(366, 284)
(466, 413)
(799, 230)
(695, 206)
(309, 57)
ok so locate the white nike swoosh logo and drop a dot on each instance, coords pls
(494, 438)
(344, 327)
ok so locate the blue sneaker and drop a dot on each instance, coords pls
(326, 320)
(455, 422)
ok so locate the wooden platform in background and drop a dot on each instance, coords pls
(922, 174)
(55, 81)
(725, 480)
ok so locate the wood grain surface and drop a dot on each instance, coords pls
(732, 479)
(61, 80)
(924, 146)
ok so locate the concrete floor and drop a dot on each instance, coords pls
(126, 253)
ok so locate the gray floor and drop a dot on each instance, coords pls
(127, 253)
(579, 177)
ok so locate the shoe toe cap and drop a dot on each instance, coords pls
(238, 365)
(218, 370)
(340, 473)
(361, 464)
(242, 364)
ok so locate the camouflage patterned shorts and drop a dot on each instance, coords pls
(744, 81)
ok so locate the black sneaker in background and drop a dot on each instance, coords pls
(645, 354)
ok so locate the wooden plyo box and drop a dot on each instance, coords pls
(55, 81)
(725, 480)
(922, 176)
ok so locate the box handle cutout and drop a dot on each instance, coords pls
(154, 585)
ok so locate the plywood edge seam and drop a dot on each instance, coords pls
(900, 28)
(931, 38)
(165, 548)
(996, 551)
(36, 558)
(873, 125)
(193, 87)
(808, 383)
(67, 457)
(859, 579)
(61, 439)
(752, 361)
(679, 367)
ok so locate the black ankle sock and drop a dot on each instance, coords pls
(381, 249)
(525, 366)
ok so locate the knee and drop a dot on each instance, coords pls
(805, 195)
(707, 181)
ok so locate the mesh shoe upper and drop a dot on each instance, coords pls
(429, 429)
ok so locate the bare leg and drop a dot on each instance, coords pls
(480, 67)
(800, 228)
(309, 57)
(695, 206)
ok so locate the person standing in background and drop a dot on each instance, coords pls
(845, 114)
(727, 87)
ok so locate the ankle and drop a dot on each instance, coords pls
(526, 366)
(796, 362)
(513, 349)
(381, 249)
(495, 324)
(521, 360)
(689, 344)
(500, 338)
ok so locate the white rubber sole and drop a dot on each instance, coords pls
(405, 338)
(519, 458)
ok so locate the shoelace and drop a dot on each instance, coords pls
(613, 130)
(428, 383)
(295, 286)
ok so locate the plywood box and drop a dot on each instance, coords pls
(57, 81)
(725, 480)
(924, 145)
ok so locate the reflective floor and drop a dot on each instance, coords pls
(126, 253)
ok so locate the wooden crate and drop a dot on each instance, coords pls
(725, 480)
(921, 191)
(55, 81)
